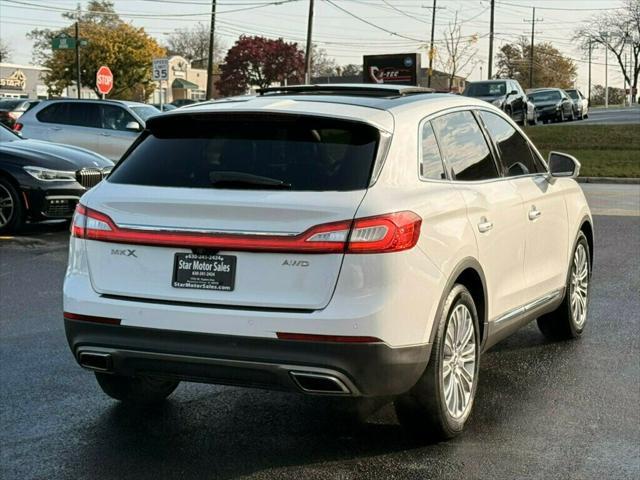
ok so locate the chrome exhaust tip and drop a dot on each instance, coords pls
(100, 362)
(319, 383)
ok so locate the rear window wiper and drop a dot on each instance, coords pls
(230, 179)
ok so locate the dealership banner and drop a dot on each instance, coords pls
(398, 69)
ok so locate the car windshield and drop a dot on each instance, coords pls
(573, 94)
(7, 135)
(298, 153)
(146, 111)
(548, 96)
(486, 89)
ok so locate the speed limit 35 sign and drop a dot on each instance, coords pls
(160, 68)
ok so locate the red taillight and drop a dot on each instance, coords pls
(386, 233)
(91, 318)
(17, 127)
(310, 337)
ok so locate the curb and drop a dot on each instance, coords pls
(618, 180)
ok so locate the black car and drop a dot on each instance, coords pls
(43, 180)
(505, 94)
(552, 104)
(11, 109)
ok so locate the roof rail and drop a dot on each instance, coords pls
(355, 89)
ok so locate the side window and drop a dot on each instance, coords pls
(55, 113)
(84, 115)
(115, 118)
(464, 147)
(431, 162)
(515, 155)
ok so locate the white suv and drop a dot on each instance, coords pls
(366, 241)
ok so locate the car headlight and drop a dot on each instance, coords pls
(497, 102)
(48, 175)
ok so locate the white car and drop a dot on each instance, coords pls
(354, 240)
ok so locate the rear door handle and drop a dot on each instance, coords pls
(484, 225)
(105, 134)
(534, 213)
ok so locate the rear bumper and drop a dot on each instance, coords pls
(369, 369)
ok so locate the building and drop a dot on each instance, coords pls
(439, 80)
(22, 81)
(184, 82)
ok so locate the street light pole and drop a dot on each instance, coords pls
(589, 86)
(78, 81)
(490, 66)
(431, 52)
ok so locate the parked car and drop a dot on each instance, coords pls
(505, 94)
(12, 109)
(532, 113)
(365, 241)
(552, 104)
(181, 102)
(166, 107)
(42, 180)
(580, 103)
(107, 127)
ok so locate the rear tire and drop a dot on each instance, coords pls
(11, 208)
(438, 406)
(136, 390)
(569, 319)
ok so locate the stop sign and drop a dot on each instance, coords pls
(104, 80)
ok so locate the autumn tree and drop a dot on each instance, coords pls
(127, 50)
(5, 51)
(260, 62)
(550, 67)
(616, 95)
(618, 31)
(193, 44)
(459, 51)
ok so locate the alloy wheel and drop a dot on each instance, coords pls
(579, 286)
(459, 362)
(6, 206)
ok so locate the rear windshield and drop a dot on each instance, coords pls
(486, 89)
(252, 152)
(573, 94)
(10, 104)
(549, 96)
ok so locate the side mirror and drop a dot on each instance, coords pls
(133, 126)
(563, 165)
(512, 92)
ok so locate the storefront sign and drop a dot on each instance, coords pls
(16, 81)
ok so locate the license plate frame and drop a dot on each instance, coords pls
(204, 272)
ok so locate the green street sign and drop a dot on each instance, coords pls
(63, 42)
(84, 42)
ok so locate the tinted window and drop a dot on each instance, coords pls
(464, 147)
(573, 94)
(515, 154)
(431, 161)
(84, 115)
(486, 89)
(146, 111)
(115, 118)
(55, 113)
(252, 152)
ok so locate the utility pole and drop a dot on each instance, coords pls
(78, 81)
(307, 53)
(606, 74)
(490, 66)
(531, 57)
(589, 86)
(431, 52)
(212, 31)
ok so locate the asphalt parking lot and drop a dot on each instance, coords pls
(544, 410)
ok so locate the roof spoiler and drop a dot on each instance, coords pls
(357, 89)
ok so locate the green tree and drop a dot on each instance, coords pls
(550, 67)
(127, 50)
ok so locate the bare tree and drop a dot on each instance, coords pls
(193, 44)
(322, 65)
(617, 30)
(460, 51)
(5, 51)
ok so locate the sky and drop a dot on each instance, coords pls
(346, 29)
